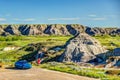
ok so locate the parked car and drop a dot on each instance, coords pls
(22, 64)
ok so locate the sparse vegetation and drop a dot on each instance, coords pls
(110, 42)
(75, 69)
(23, 41)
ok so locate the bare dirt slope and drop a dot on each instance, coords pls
(38, 74)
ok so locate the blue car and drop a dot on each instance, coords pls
(22, 64)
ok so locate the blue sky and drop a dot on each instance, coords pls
(87, 12)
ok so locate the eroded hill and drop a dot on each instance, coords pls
(54, 29)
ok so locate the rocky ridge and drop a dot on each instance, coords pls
(54, 29)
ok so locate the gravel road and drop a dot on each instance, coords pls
(38, 74)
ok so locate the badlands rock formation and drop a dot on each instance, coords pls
(54, 29)
(82, 48)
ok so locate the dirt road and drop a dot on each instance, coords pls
(38, 74)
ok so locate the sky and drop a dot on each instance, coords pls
(94, 13)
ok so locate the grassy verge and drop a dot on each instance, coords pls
(77, 70)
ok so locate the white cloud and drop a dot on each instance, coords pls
(92, 15)
(52, 19)
(69, 18)
(63, 19)
(99, 19)
(29, 19)
(3, 19)
(16, 19)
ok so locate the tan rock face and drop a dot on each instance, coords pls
(83, 48)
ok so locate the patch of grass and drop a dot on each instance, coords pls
(77, 70)
(110, 42)
(11, 38)
(24, 40)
